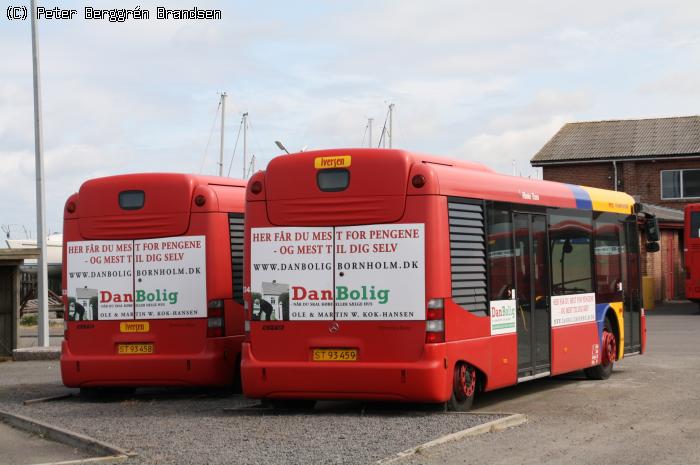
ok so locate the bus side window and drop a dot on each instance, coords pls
(570, 234)
(607, 251)
(501, 253)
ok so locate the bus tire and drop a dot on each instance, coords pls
(608, 355)
(463, 388)
(237, 381)
(293, 404)
(106, 392)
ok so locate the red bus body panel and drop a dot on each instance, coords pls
(395, 362)
(184, 355)
(572, 347)
(692, 255)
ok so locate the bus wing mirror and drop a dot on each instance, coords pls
(651, 229)
(653, 247)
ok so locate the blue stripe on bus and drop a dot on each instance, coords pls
(583, 199)
(600, 311)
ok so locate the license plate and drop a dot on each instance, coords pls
(134, 349)
(335, 355)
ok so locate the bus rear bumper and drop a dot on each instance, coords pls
(424, 380)
(214, 366)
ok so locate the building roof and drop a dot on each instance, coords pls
(274, 288)
(18, 255)
(663, 213)
(622, 139)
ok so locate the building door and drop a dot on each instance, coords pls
(670, 270)
(631, 288)
(6, 311)
(532, 284)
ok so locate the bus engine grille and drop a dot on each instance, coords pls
(467, 254)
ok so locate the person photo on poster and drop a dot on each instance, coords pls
(272, 302)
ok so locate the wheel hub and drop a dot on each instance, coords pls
(467, 381)
(609, 347)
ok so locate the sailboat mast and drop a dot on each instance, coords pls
(245, 142)
(221, 147)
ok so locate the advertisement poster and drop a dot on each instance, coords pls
(100, 280)
(153, 278)
(170, 277)
(371, 272)
(292, 273)
(572, 309)
(503, 316)
(380, 272)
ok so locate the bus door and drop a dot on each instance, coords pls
(631, 291)
(532, 283)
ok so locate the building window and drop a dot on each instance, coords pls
(680, 184)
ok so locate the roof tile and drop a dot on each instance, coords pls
(620, 139)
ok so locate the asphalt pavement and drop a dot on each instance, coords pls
(18, 448)
(196, 426)
(648, 412)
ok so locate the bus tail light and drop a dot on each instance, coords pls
(215, 318)
(246, 329)
(246, 323)
(435, 321)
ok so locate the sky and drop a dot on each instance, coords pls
(482, 81)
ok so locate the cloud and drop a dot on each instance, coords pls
(678, 84)
(501, 149)
(487, 81)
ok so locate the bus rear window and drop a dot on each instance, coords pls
(333, 180)
(695, 225)
(131, 200)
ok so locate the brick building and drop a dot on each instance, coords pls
(655, 160)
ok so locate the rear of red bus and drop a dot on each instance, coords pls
(346, 272)
(692, 252)
(152, 281)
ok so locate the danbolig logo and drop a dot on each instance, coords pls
(158, 295)
(342, 293)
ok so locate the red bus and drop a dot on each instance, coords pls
(390, 275)
(153, 276)
(692, 252)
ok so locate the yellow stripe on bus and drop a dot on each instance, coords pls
(618, 307)
(610, 201)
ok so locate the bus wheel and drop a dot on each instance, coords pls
(608, 355)
(464, 388)
(237, 382)
(105, 393)
(293, 404)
